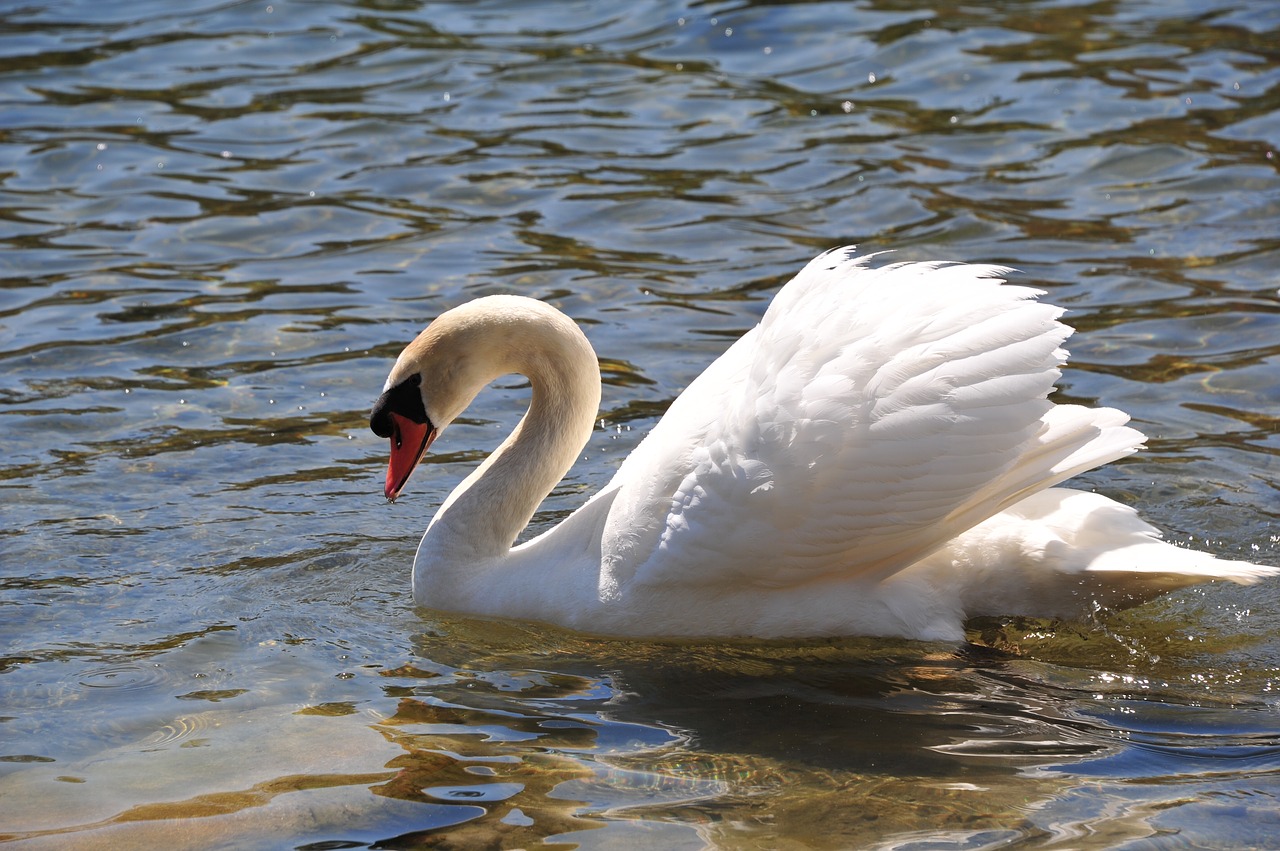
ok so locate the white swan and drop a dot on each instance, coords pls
(876, 457)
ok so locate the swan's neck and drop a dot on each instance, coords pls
(481, 519)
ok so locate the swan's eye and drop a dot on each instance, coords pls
(404, 399)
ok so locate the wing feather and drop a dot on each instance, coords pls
(871, 416)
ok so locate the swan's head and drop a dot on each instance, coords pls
(401, 414)
(441, 371)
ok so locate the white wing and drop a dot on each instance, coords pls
(870, 417)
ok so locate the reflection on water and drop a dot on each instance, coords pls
(506, 733)
(221, 222)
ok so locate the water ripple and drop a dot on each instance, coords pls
(222, 220)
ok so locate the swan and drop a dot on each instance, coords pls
(878, 456)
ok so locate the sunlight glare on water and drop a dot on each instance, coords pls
(222, 222)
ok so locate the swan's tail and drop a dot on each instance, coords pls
(1073, 549)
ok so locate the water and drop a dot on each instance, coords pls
(222, 220)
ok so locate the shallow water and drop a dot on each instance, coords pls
(220, 224)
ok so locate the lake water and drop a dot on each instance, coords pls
(222, 220)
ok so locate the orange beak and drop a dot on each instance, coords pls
(409, 442)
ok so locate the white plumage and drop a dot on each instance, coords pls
(876, 457)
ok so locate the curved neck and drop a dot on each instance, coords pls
(486, 512)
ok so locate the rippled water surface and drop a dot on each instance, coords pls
(222, 220)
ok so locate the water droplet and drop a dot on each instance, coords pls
(847, 106)
(225, 155)
(768, 50)
(728, 31)
(102, 146)
(446, 97)
(871, 78)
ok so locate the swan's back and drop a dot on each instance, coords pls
(871, 416)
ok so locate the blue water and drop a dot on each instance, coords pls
(222, 221)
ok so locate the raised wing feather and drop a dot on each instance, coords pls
(870, 417)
